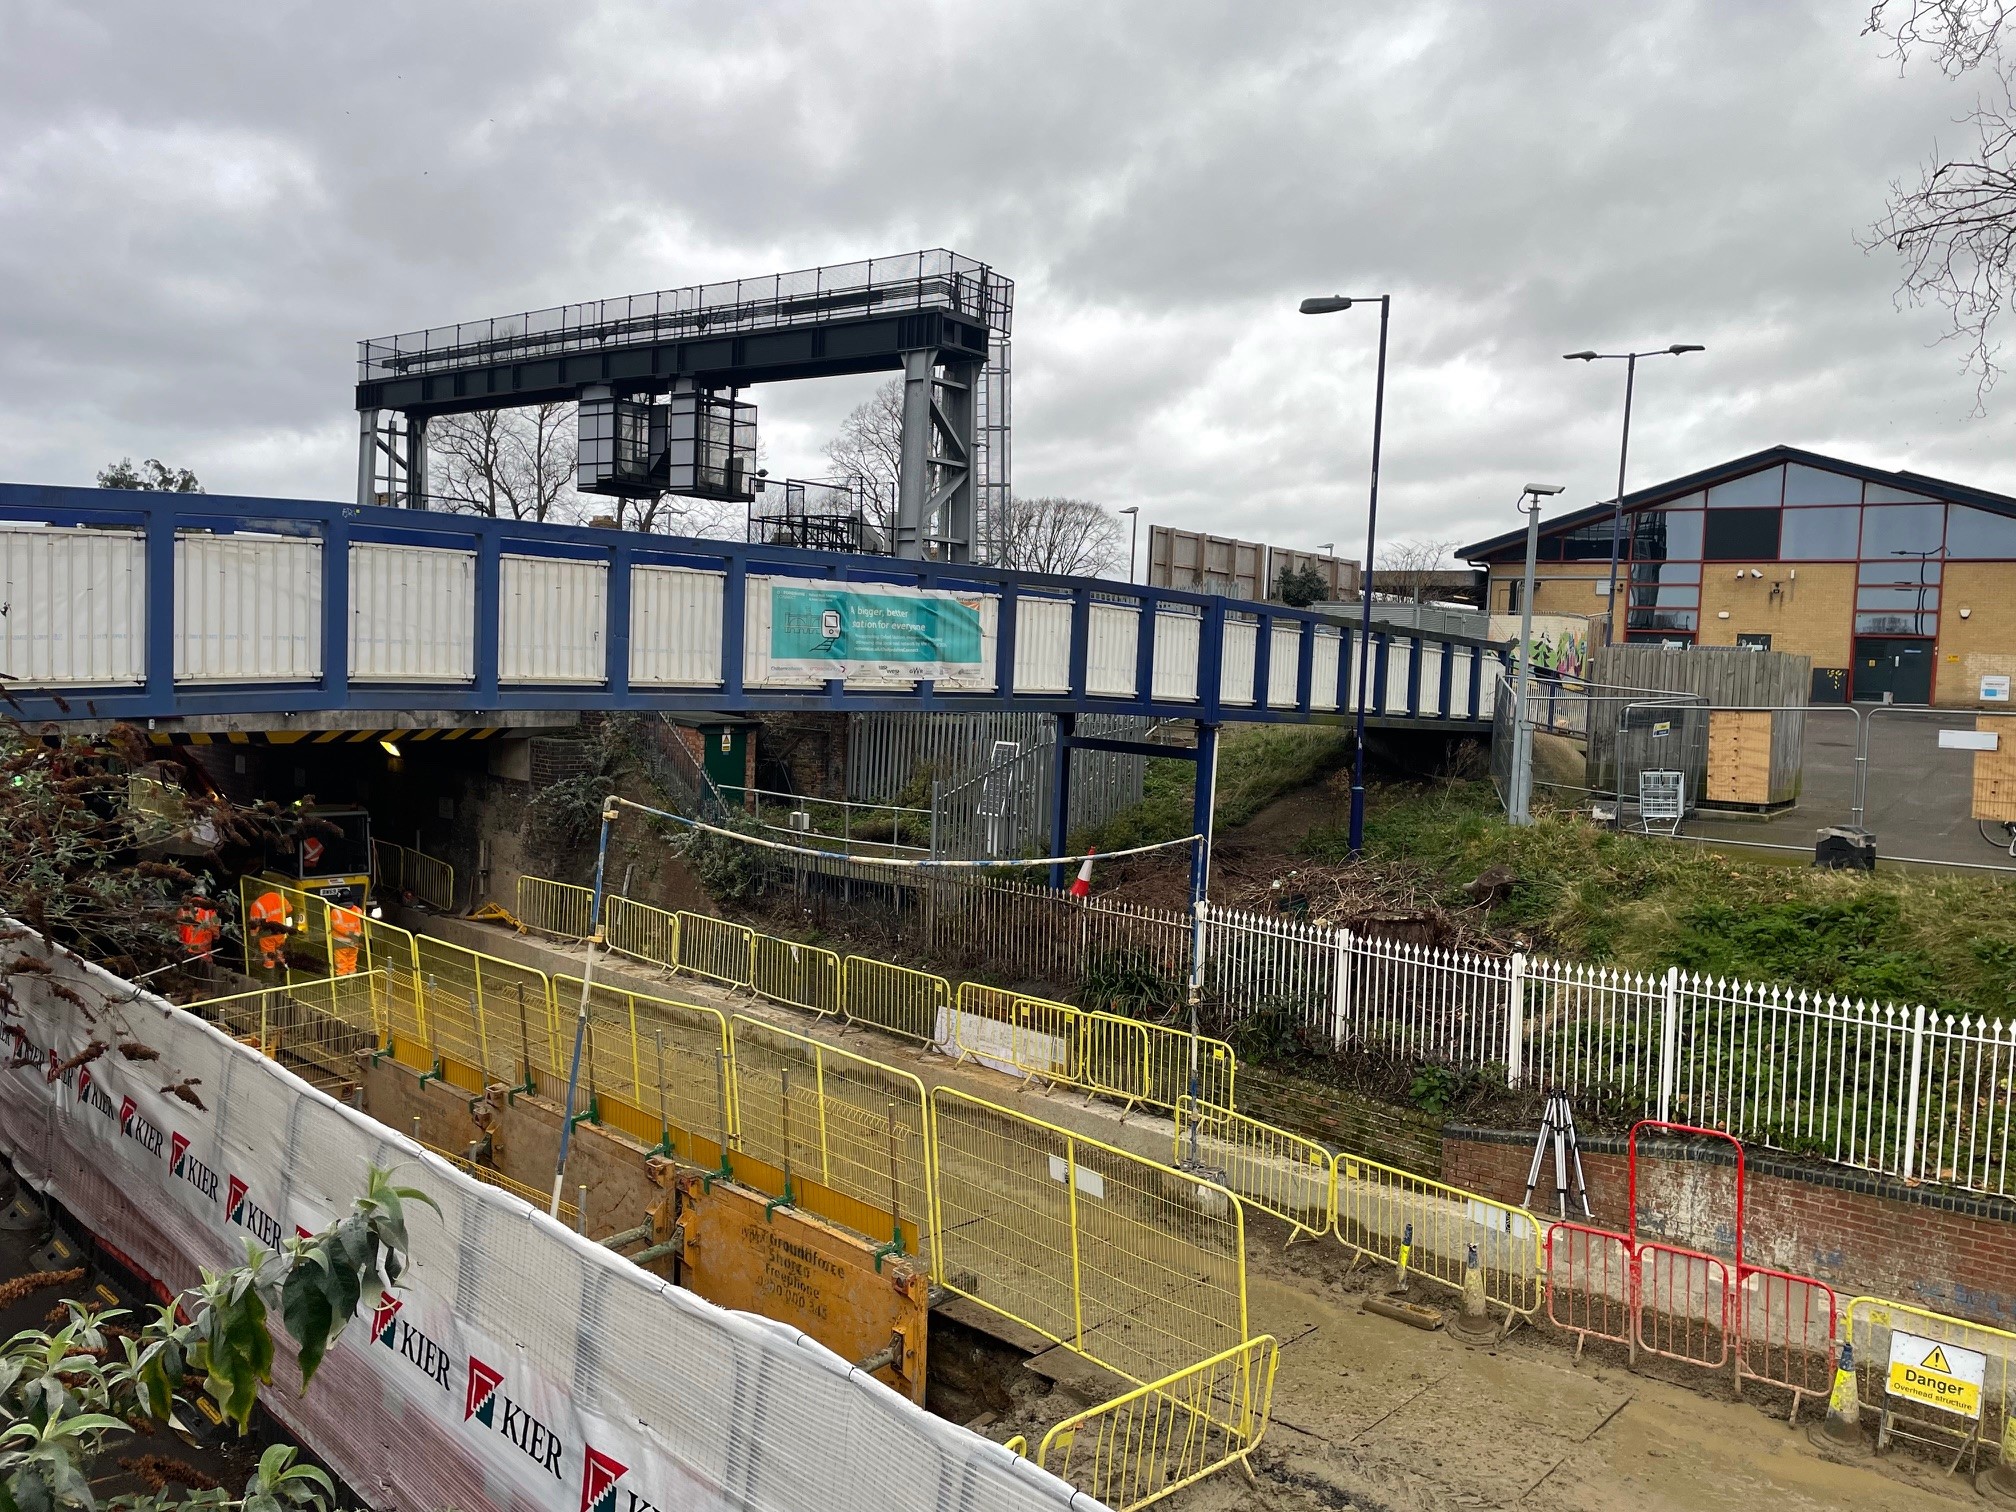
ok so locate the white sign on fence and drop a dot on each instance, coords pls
(1937, 1374)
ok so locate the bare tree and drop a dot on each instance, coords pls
(505, 463)
(869, 445)
(1955, 229)
(1408, 566)
(1073, 537)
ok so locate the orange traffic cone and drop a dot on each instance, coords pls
(1082, 888)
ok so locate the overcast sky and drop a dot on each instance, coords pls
(203, 207)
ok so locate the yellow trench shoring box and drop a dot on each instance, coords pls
(746, 1252)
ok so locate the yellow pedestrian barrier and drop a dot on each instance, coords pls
(556, 908)
(667, 1059)
(1113, 1056)
(894, 999)
(714, 948)
(1014, 1031)
(1907, 1358)
(318, 1027)
(858, 1128)
(1172, 1433)
(640, 931)
(1379, 1209)
(798, 976)
(491, 1015)
(1184, 1065)
(1129, 1262)
(395, 953)
(1281, 1173)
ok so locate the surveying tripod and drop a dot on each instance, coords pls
(1557, 1125)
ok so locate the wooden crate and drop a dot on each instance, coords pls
(1995, 771)
(1739, 757)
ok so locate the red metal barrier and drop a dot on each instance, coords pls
(1589, 1279)
(1680, 1304)
(1694, 1131)
(1785, 1331)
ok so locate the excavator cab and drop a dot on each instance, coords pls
(333, 858)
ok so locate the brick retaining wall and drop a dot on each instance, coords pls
(1859, 1232)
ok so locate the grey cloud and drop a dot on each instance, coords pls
(203, 206)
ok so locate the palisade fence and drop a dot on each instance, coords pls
(1904, 1090)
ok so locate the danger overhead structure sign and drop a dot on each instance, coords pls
(1937, 1374)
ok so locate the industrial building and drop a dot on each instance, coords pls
(1897, 586)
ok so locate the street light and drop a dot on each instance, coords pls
(1520, 805)
(1133, 535)
(1331, 305)
(1630, 361)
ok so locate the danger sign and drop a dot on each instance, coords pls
(1939, 1375)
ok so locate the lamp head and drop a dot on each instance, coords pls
(1131, 509)
(1546, 489)
(1678, 347)
(1579, 356)
(1325, 306)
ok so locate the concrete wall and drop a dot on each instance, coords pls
(1858, 1232)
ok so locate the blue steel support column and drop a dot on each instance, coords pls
(1211, 663)
(1081, 643)
(336, 610)
(1382, 659)
(1263, 661)
(1060, 797)
(1347, 647)
(616, 633)
(489, 616)
(1414, 676)
(1004, 642)
(1144, 650)
(1305, 665)
(160, 611)
(1447, 680)
(1477, 655)
(1203, 804)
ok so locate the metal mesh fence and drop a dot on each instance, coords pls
(1131, 1263)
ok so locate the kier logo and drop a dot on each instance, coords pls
(181, 1163)
(598, 1482)
(134, 1125)
(381, 1319)
(481, 1403)
(239, 1208)
(532, 1438)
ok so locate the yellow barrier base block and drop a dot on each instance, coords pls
(743, 1250)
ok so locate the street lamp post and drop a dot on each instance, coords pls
(1519, 808)
(1330, 306)
(1133, 536)
(1630, 361)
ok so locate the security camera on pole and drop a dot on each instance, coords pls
(1520, 801)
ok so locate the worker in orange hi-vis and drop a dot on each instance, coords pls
(199, 926)
(346, 934)
(270, 923)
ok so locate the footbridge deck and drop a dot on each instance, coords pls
(178, 608)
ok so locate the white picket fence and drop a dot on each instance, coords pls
(1906, 1091)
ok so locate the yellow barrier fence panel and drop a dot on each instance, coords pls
(1132, 1263)
(394, 954)
(674, 1068)
(855, 1126)
(1381, 1211)
(714, 948)
(1113, 1057)
(1184, 1065)
(1159, 1438)
(491, 1014)
(322, 1029)
(1011, 1031)
(560, 909)
(431, 880)
(569, 1213)
(1894, 1345)
(641, 932)
(895, 999)
(1281, 1173)
(798, 976)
